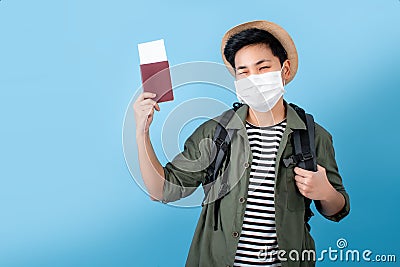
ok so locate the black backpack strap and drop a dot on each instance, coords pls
(304, 152)
(303, 143)
(221, 150)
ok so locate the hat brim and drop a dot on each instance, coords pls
(277, 31)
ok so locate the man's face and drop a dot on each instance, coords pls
(257, 59)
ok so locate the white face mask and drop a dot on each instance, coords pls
(260, 91)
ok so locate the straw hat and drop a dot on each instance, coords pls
(277, 31)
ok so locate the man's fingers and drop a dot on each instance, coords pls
(145, 95)
(148, 101)
(144, 110)
(142, 97)
(302, 172)
(303, 180)
(299, 178)
(301, 187)
(148, 109)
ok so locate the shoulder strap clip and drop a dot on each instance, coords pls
(294, 159)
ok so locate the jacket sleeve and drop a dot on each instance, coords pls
(326, 158)
(188, 169)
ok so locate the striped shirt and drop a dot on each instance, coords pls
(258, 243)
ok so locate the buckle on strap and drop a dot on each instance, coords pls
(306, 156)
(294, 159)
(288, 161)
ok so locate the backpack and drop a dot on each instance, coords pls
(304, 155)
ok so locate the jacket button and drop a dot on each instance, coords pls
(235, 234)
(246, 164)
(241, 200)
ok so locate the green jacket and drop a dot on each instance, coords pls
(187, 171)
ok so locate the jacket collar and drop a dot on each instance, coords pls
(293, 120)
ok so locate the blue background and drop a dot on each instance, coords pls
(68, 71)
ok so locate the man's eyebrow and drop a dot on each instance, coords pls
(262, 61)
(257, 63)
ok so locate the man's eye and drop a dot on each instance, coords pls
(265, 67)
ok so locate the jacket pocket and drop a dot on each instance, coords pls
(295, 200)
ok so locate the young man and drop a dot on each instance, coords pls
(260, 221)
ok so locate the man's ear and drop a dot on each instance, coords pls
(286, 70)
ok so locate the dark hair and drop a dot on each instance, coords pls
(253, 36)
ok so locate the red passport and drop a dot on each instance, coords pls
(154, 68)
